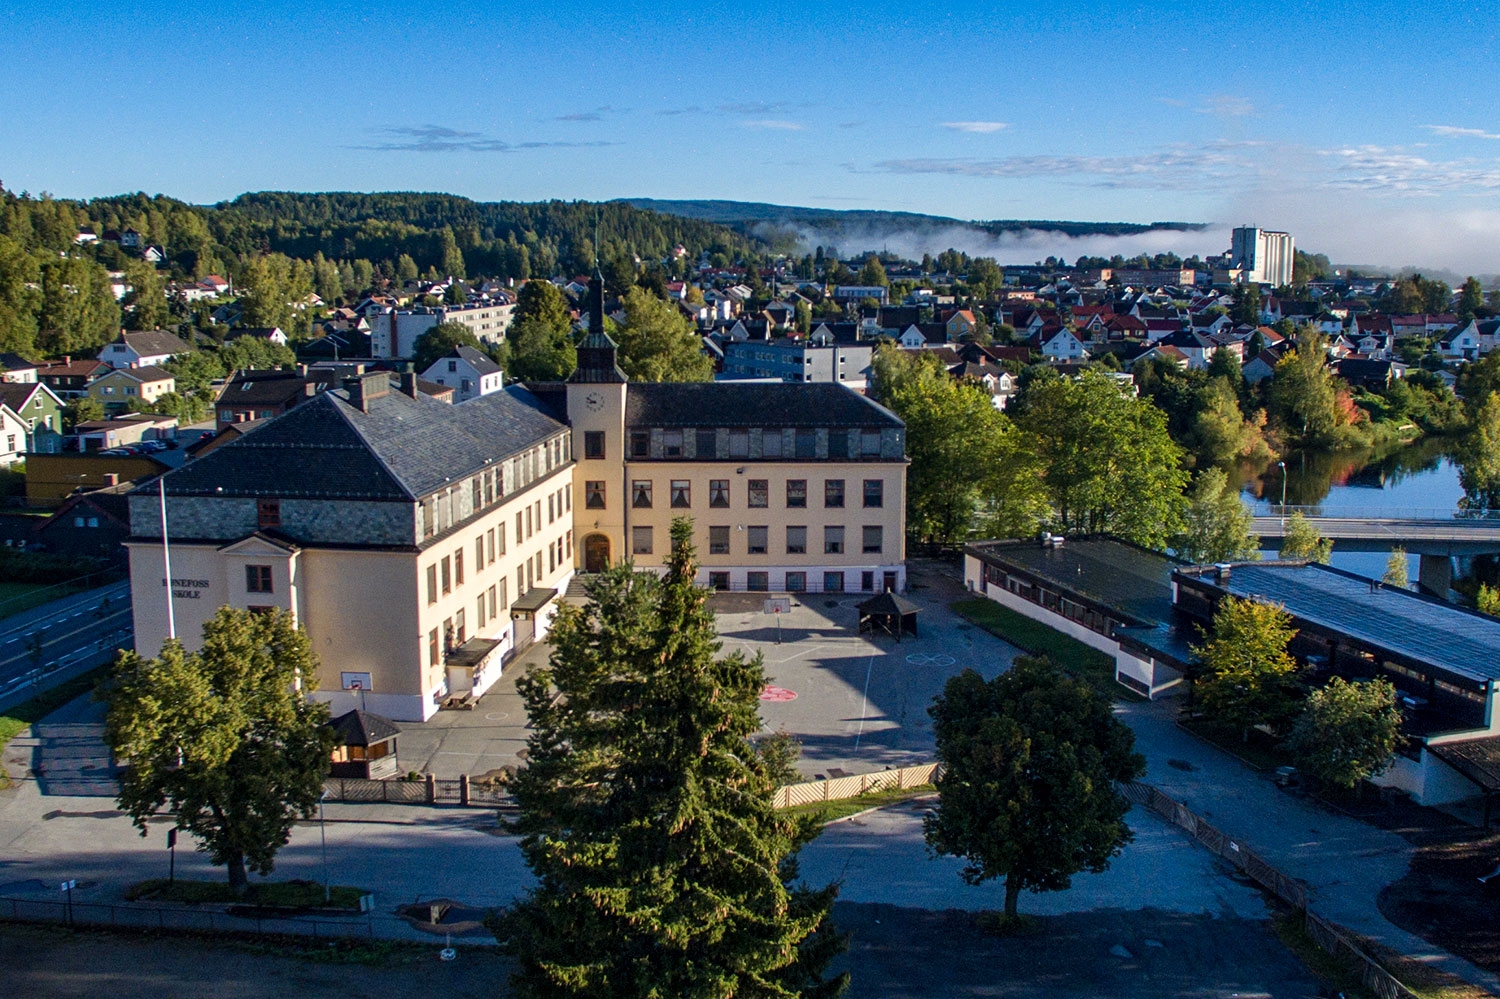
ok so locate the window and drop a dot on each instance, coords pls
(796, 582)
(806, 444)
(796, 541)
(460, 631)
(874, 492)
(258, 578)
(489, 488)
(867, 581)
(479, 620)
(569, 539)
(429, 518)
(640, 444)
(869, 445)
(873, 540)
(458, 567)
(718, 493)
(552, 505)
(758, 581)
(568, 497)
(640, 494)
(478, 492)
(833, 582)
(838, 444)
(718, 541)
(479, 554)
(833, 541)
(432, 647)
(521, 579)
(490, 537)
(739, 443)
(671, 443)
(492, 597)
(500, 536)
(708, 443)
(593, 444)
(682, 493)
(593, 495)
(432, 590)
(796, 492)
(760, 492)
(640, 541)
(833, 492)
(447, 574)
(770, 444)
(756, 545)
(529, 528)
(718, 580)
(268, 513)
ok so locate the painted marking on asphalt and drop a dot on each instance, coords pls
(777, 694)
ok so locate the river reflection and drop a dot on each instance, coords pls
(1413, 480)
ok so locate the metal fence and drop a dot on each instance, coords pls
(854, 785)
(1328, 935)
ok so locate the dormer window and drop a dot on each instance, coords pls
(268, 513)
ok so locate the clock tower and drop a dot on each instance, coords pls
(596, 411)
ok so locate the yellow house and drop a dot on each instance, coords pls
(117, 388)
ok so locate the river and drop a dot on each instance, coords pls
(1413, 480)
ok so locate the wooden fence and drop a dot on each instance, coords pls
(428, 790)
(838, 788)
(1328, 935)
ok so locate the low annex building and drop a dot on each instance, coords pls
(422, 545)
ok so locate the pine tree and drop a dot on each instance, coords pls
(646, 813)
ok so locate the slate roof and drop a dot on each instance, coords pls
(402, 449)
(727, 404)
(477, 360)
(1429, 631)
(153, 342)
(263, 388)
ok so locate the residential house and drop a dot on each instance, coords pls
(92, 524)
(40, 409)
(259, 395)
(961, 324)
(16, 369)
(117, 389)
(1064, 345)
(1369, 373)
(1263, 365)
(468, 372)
(143, 349)
(69, 378)
(270, 334)
(52, 478)
(13, 434)
(1460, 343)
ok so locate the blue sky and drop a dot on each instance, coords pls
(1370, 131)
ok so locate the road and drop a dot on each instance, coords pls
(59, 638)
(1450, 536)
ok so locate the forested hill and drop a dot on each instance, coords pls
(758, 218)
(558, 233)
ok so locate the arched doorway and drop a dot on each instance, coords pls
(596, 553)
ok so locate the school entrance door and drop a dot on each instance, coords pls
(595, 553)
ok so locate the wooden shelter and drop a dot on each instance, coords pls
(888, 611)
(364, 746)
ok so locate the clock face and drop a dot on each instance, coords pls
(594, 401)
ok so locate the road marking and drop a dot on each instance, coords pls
(930, 659)
(864, 703)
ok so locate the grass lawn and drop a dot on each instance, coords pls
(18, 597)
(20, 717)
(829, 811)
(1089, 665)
(281, 894)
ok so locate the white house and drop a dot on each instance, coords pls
(1462, 344)
(271, 334)
(13, 433)
(143, 349)
(1064, 345)
(469, 373)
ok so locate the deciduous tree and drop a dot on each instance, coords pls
(1247, 676)
(1029, 789)
(223, 738)
(1217, 524)
(1302, 540)
(646, 813)
(658, 344)
(439, 341)
(1347, 732)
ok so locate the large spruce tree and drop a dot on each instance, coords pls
(646, 814)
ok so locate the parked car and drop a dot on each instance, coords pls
(115, 452)
(151, 447)
(1287, 777)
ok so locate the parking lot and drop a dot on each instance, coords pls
(858, 703)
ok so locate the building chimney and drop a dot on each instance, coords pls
(409, 383)
(367, 387)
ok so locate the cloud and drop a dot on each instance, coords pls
(1228, 106)
(1176, 168)
(597, 114)
(776, 124)
(1394, 170)
(1455, 132)
(691, 109)
(758, 107)
(976, 126)
(440, 139)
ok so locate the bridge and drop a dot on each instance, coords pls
(1438, 536)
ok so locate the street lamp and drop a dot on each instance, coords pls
(1282, 465)
(323, 831)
